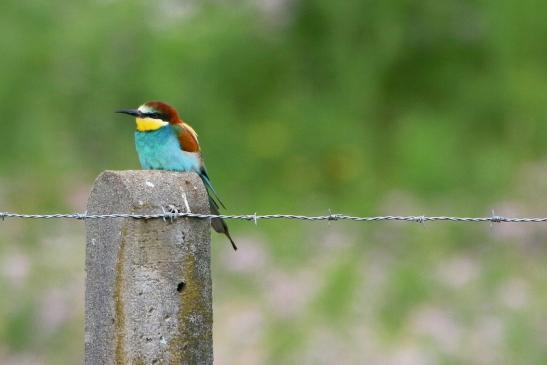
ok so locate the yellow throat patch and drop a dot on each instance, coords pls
(149, 124)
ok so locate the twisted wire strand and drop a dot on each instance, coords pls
(254, 217)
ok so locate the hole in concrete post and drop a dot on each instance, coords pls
(181, 286)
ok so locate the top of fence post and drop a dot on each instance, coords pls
(148, 284)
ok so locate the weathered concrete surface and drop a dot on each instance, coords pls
(148, 284)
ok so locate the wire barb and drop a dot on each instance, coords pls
(332, 217)
(496, 218)
(186, 205)
(170, 213)
(164, 214)
(81, 216)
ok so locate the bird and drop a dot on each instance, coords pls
(165, 142)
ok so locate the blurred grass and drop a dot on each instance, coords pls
(301, 106)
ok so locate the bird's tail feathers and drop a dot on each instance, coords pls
(218, 224)
(211, 189)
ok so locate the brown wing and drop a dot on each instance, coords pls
(188, 138)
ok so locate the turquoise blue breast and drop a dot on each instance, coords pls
(160, 150)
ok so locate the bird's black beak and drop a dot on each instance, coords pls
(133, 112)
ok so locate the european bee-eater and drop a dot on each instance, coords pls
(165, 142)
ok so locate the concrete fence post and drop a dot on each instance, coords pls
(148, 293)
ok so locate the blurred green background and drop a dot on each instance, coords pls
(361, 107)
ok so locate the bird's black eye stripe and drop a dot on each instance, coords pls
(155, 115)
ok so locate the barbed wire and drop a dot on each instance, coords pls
(172, 215)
